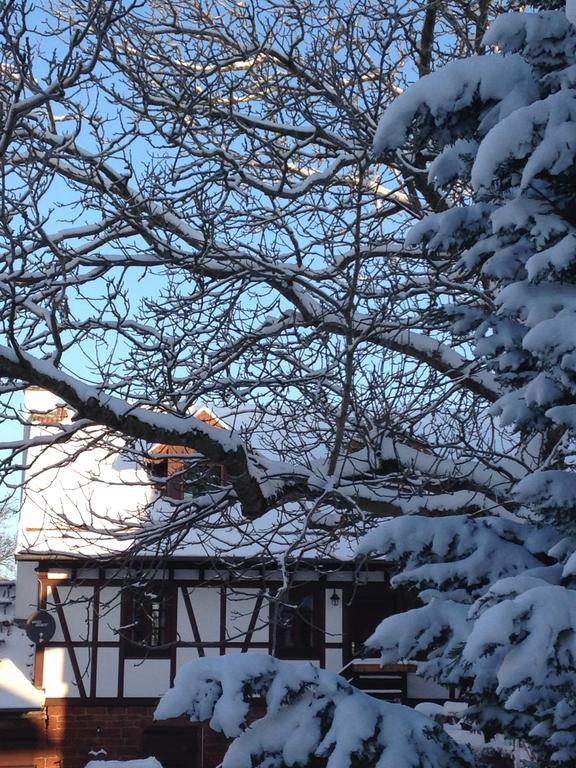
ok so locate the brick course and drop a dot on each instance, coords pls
(69, 735)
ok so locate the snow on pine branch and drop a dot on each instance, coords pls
(515, 648)
(523, 649)
(448, 95)
(309, 713)
(541, 133)
(435, 632)
(545, 39)
(458, 556)
(516, 229)
(497, 620)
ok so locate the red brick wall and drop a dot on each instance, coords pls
(70, 734)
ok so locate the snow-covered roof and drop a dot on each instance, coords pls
(91, 502)
(17, 694)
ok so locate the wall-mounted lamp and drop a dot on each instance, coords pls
(335, 598)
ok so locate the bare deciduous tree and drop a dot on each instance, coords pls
(190, 211)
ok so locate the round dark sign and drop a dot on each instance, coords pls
(40, 627)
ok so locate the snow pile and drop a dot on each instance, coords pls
(16, 690)
(309, 713)
(145, 762)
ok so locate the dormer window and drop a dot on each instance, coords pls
(176, 472)
(201, 478)
(158, 472)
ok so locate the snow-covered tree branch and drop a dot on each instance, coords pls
(309, 713)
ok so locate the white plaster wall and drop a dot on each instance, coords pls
(109, 614)
(186, 574)
(211, 652)
(54, 681)
(59, 680)
(346, 576)
(206, 606)
(306, 576)
(230, 651)
(333, 616)
(240, 605)
(84, 657)
(26, 589)
(185, 655)
(418, 688)
(77, 607)
(261, 632)
(334, 659)
(146, 677)
(183, 627)
(107, 678)
(88, 573)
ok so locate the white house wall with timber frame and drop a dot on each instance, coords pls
(124, 625)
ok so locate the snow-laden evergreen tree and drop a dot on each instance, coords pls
(310, 714)
(498, 615)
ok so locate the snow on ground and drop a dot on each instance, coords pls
(144, 762)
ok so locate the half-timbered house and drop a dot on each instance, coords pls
(124, 625)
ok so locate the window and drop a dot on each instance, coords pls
(176, 472)
(148, 622)
(158, 472)
(297, 624)
(202, 478)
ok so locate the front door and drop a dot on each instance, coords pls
(370, 604)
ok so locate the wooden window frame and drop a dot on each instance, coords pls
(313, 625)
(168, 474)
(136, 599)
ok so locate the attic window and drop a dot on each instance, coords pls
(54, 416)
(175, 473)
(158, 472)
(201, 478)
